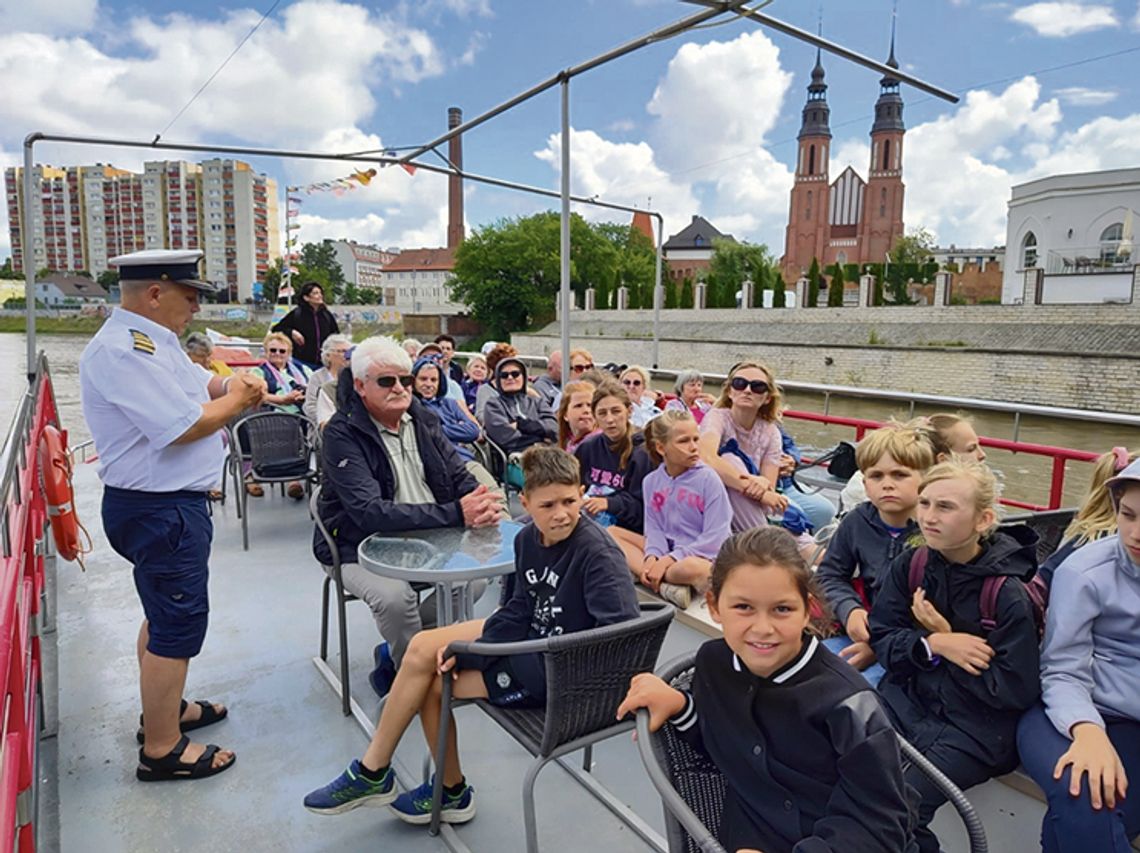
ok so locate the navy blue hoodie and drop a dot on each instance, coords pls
(861, 547)
(603, 476)
(581, 582)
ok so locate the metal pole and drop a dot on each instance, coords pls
(564, 292)
(717, 7)
(658, 293)
(28, 243)
(838, 49)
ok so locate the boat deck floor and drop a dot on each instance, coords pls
(286, 727)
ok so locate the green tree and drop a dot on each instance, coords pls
(779, 291)
(732, 264)
(672, 298)
(835, 289)
(912, 259)
(318, 263)
(108, 279)
(6, 271)
(687, 297)
(814, 282)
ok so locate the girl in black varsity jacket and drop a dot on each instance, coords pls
(810, 759)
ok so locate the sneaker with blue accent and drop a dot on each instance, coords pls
(415, 806)
(352, 789)
(384, 674)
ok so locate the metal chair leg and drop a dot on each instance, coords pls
(343, 624)
(588, 758)
(325, 618)
(530, 821)
(244, 519)
(440, 752)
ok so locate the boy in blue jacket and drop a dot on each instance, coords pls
(869, 537)
(569, 576)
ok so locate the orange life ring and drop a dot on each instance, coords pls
(55, 471)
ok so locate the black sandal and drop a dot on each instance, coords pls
(171, 767)
(208, 718)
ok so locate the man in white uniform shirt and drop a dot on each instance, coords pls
(155, 417)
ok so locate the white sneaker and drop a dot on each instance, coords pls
(677, 594)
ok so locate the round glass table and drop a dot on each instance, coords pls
(445, 557)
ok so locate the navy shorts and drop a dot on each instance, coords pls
(517, 680)
(166, 537)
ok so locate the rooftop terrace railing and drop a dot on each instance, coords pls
(1082, 260)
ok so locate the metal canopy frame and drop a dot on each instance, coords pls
(714, 8)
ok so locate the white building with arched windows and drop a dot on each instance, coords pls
(1079, 231)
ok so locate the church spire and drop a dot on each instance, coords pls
(889, 107)
(816, 111)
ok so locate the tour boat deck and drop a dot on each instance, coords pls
(286, 727)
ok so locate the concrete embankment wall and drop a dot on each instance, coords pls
(1079, 356)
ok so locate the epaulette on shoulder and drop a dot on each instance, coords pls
(141, 341)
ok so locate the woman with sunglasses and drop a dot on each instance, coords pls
(513, 419)
(286, 381)
(635, 378)
(741, 442)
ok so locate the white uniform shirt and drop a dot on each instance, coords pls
(140, 392)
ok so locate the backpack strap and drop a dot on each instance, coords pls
(991, 589)
(918, 560)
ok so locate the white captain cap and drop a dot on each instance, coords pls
(179, 266)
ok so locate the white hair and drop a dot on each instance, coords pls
(331, 343)
(411, 346)
(379, 351)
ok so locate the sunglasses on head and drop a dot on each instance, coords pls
(634, 383)
(390, 381)
(756, 386)
(510, 374)
(581, 368)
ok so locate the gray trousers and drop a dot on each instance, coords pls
(398, 613)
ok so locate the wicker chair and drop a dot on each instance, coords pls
(692, 789)
(1049, 527)
(587, 676)
(279, 449)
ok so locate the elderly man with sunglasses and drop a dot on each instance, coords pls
(388, 467)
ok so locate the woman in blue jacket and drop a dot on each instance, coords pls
(1082, 744)
(460, 429)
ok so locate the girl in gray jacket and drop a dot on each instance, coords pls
(1082, 745)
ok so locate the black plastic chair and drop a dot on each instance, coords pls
(333, 578)
(692, 788)
(587, 676)
(279, 449)
(1049, 526)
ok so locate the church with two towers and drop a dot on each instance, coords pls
(846, 220)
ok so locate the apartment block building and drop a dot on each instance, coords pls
(84, 215)
(363, 265)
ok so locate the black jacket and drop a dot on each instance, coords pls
(315, 328)
(936, 699)
(358, 486)
(861, 547)
(809, 756)
(518, 421)
(621, 487)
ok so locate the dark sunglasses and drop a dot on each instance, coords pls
(581, 368)
(276, 350)
(390, 381)
(635, 383)
(510, 374)
(756, 386)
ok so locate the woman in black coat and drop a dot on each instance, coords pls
(309, 325)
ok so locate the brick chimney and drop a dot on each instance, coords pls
(454, 182)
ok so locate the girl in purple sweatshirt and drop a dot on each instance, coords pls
(687, 513)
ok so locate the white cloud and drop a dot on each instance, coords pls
(1062, 19)
(1136, 20)
(621, 125)
(47, 16)
(1081, 96)
(620, 172)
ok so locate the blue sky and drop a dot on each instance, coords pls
(704, 123)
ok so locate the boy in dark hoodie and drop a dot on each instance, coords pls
(569, 576)
(869, 537)
(955, 687)
(514, 420)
